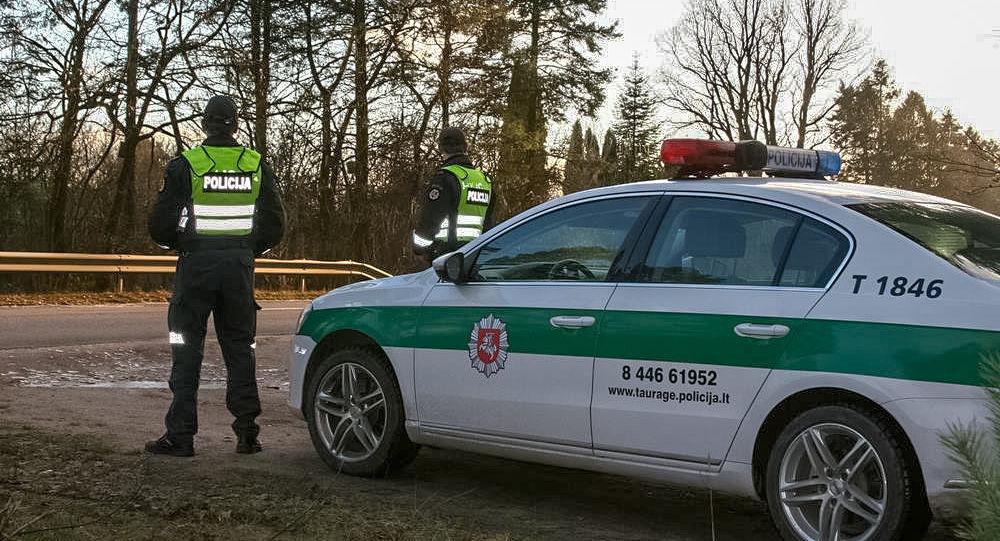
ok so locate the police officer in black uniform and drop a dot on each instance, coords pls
(219, 209)
(457, 203)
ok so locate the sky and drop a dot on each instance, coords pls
(948, 50)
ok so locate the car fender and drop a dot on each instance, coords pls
(782, 384)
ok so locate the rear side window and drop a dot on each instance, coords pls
(706, 240)
(815, 255)
(966, 237)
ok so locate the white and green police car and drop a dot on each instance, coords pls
(802, 341)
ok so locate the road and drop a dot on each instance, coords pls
(46, 326)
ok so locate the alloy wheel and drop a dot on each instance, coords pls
(832, 484)
(350, 412)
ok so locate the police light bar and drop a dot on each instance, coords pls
(703, 157)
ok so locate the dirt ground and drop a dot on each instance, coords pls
(73, 421)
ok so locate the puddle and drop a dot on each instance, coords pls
(132, 375)
(134, 385)
(64, 380)
(122, 367)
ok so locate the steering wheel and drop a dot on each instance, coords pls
(570, 269)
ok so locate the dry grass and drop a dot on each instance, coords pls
(75, 487)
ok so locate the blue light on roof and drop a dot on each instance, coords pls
(829, 163)
(787, 162)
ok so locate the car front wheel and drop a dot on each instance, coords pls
(356, 416)
(840, 473)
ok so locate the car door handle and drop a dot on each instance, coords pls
(572, 322)
(760, 332)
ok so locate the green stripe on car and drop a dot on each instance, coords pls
(908, 352)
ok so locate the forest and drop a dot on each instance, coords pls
(345, 99)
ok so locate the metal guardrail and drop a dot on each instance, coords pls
(122, 264)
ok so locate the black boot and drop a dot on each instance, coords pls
(166, 446)
(247, 444)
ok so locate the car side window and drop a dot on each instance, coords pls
(815, 255)
(706, 240)
(580, 242)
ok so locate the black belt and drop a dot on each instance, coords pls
(220, 243)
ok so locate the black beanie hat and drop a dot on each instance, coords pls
(452, 141)
(219, 115)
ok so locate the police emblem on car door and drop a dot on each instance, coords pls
(488, 345)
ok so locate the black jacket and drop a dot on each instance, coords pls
(269, 217)
(439, 201)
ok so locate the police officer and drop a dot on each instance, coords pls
(457, 202)
(219, 209)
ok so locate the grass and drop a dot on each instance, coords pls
(57, 486)
(976, 453)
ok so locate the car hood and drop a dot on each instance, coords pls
(403, 290)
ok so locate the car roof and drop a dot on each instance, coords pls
(788, 190)
(822, 197)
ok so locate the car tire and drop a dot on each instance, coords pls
(358, 427)
(844, 466)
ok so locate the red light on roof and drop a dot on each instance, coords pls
(699, 156)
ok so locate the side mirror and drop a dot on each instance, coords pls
(451, 267)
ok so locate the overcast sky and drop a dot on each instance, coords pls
(948, 50)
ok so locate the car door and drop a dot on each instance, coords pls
(689, 338)
(510, 353)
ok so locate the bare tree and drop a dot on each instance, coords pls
(831, 48)
(124, 200)
(260, 67)
(760, 69)
(360, 38)
(55, 45)
(713, 78)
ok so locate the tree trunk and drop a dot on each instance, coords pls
(260, 52)
(444, 67)
(360, 211)
(123, 205)
(67, 133)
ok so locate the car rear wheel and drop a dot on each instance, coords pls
(356, 415)
(840, 473)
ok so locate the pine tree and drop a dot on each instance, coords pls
(860, 125)
(911, 135)
(575, 169)
(635, 127)
(524, 181)
(562, 41)
(609, 158)
(592, 158)
(973, 448)
(553, 67)
(906, 146)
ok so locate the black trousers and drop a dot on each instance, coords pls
(219, 282)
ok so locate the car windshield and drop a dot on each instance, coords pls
(968, 238)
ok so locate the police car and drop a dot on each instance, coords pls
(801, 341)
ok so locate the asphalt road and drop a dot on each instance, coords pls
(43, 326)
